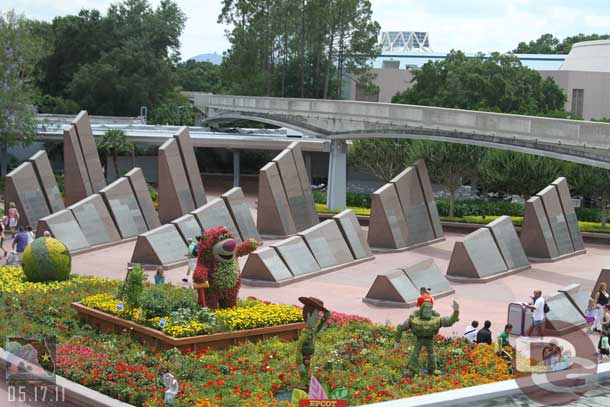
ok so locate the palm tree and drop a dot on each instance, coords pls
(115, 142)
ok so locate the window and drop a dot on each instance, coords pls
(578, 99)
(366, 94)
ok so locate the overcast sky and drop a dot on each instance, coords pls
(468, 25)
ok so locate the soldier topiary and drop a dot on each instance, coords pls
(46, 259)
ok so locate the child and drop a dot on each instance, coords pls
(604, 346)
(2, 238)
(160, 276)
(590, 316)
(13, 217)
(192, 257)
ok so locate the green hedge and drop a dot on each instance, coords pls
(464, 207)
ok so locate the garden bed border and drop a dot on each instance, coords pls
(157, 338)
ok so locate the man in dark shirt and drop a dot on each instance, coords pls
(20, 241)
(484, 334)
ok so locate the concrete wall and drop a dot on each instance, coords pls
(596, 86)
(389, 81)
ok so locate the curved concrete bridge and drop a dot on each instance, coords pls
(578, 141)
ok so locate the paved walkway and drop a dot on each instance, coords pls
(343, 290)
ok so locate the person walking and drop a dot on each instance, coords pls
(470, 334)
(601, 300)
(538, 308)
(13, 217)
(424, 296)
(30, 234)
(484, 334)
(20, 242)
(4, 252)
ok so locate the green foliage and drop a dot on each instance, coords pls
(154, 194)
(133, 287)
(115, 63)
(199, 76)
(19, 52)
(55, 105)
(160, 300)
(475, 207)
(352, 199)
(115, 142)
(518, 173)
(297, 48)
(173, 110)
(384, 158)
(499, 83)
(593, 183)
(46, 259)
(449, 164)
(548, 44)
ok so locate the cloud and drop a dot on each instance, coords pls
(473, 25)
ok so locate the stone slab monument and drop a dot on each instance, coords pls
(507, 240)
(563, 316)
(310, 204)
(140, 189)
(284, 194)
(392, 289)
(327, 244)
(403, 212)
(124, 209)
(215, 213)
(577, 296)
(175, 198)
(24, 189)
(265, 265)
(63, 226)
(353, 234)
(46, 179)
(387, 224)
(162, 246)
(241, 214)
(188, 226)
(476, 259)
(189, 161)
(565, 198)
(273, 215)
(95, 220)
(76, 179)
(89, 151)
(297, 256)
(414, 207)
(425, 273)
(550, 229)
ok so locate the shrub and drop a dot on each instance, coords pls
(161, 300)
(46, 259)
(133, 287)
(154, 194)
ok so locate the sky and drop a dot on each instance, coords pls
(468, 25)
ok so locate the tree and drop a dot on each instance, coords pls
(297, 48)
(383, 158)
(19, 53)
(115, 142)
(593, 183)
(498, 83)
(449, 164)
(518, 173)
(199, 76)
(174, 110)
(113, 64)
(548, 44)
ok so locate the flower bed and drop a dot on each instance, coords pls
(351, 353)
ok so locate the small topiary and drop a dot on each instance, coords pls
(46, 259)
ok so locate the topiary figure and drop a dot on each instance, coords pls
(46, 259)
(216, 277)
